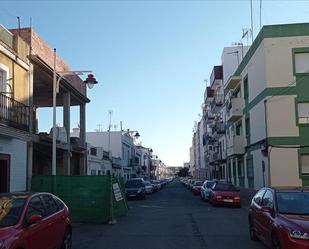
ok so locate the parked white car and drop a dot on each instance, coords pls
(206, 189)
(149, 187)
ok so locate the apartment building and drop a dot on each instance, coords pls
(99, 161)
(121, 146)
(267, 110)
(214, 113)
(15, 112)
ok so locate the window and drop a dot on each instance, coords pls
(93, 151)
(240, 167)
(301, 63)
(250, 172)
(268, 200)
(3, 78)
(239, 129)
(258, 197)
(246, 89)
(35, 207)
(50, 204)
(59, 202)
(93, 172)
(303, 113)
(248, 130)
(304, 164)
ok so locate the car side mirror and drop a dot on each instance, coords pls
(34, 219)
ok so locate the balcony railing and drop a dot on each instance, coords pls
(236, 145)
(218, 128)
(234, 109)
(14, 113)
(217, 102)
(219, 156)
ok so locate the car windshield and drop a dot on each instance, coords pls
(133, 184)
(10, 209)
(225, 187)
(198, 183)
(209, 184)
(293, 202)
(147, 183)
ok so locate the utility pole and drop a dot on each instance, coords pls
(251, 8)
(110, 113)
(260, 14)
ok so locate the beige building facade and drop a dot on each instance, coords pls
(268, 110)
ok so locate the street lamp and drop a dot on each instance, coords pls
(90, 82)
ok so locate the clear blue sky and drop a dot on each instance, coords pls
(150, 57)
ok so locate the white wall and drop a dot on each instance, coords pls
(258, 169)
(229, 61)
(279, 64)
(257, 123)
(201, 151)
(100, 139)
(17, 149)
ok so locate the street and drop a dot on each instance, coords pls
(171, 218)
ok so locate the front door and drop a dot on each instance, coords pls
(4, 173)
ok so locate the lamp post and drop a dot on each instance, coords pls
(90, 81)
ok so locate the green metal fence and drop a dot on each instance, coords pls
(88, 197)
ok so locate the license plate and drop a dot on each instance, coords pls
(226, 200)
(132, 195)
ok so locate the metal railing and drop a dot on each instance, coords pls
(14, 113)
(219, 128)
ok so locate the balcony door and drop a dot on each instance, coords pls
(4, 173)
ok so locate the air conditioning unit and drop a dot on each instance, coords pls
(61, 134)
(230, 94)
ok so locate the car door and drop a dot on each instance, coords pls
(266, 218)
(203, 188)
(256, 210)
(37, 236)
(56, 220)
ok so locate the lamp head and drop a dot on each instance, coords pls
(90, 81)
(137, 135)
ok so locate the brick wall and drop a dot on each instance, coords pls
(40, 48)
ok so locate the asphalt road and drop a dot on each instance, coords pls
(170, 219)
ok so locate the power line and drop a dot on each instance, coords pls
(285, 90)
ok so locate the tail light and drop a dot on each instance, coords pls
(237, 198)
(218, 197)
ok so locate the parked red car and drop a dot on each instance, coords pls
(279, 217)
(34, 221)
(224, 194)
(196, 188)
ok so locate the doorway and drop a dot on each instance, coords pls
(4, 173)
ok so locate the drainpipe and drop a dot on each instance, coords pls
(266, 137)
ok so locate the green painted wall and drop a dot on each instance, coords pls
(88, 197)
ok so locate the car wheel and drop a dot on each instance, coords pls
(67, 241)
(252, 232)
(275, 242)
